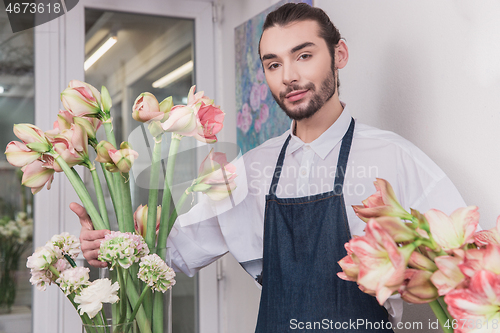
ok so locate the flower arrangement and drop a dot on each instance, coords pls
(15, 239)
(54, 263)
(41, 154)
(428, 258)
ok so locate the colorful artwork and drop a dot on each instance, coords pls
(259, 117)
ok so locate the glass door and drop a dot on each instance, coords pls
(149, 54)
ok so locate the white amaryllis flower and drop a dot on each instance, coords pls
(68, 244)
(73, 280)
(91, 298)
(156, 273)
(122, 248)
(42, 258)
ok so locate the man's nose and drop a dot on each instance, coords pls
(290, 74)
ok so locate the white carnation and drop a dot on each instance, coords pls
(156, 273)
(68, 244)
(98, 292)
(73, 280)
(42, 258)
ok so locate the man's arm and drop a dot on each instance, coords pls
(90, 239)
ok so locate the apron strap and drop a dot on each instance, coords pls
(343, 157)
(279, 166)
(341, 163)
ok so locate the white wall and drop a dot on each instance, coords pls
(427, 70)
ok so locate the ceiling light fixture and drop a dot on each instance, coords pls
(2, 89)
(174, 75)
(100, 51)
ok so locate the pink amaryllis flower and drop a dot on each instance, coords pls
(349, 265)
(480, 302)
(449, 276)
(36, 175)
(33, 137)
(215, 176)
(485, 237)
(417, 287)
(81, 99)
(19, 155)
(481, 259)
(141, 218)
(454, 231)
(209, 115)
(382, 263)
(382, 203)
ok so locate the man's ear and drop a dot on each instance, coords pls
(341, 54)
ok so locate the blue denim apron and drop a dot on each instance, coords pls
(303, 240)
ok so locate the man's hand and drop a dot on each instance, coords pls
(90, 239)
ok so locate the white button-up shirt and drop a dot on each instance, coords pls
(236, 224)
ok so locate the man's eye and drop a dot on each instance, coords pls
(304, 56)
(273, 66)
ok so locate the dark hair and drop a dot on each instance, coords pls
(296, 12)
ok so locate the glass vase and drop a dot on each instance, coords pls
(129, 327)
(7, 285)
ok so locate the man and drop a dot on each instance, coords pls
(290, 222)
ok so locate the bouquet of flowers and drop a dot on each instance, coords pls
(41, 154)
(428, 258)
(15, 238)
(54, 263)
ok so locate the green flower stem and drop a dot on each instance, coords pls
(100, 197)
(112, 190)
(123, 294)
(70, 260)
(153, 195)
(105, 320)
(441, 316)
(128, 214)
(158, 313)
(110, 135)
(167, 196)
(117, 181)
(133, 295)
(177, 207)
(445, 307)
(80, 189)
(139, 302)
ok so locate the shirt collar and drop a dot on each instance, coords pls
(324, 144)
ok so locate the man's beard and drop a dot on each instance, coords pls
(316, 102)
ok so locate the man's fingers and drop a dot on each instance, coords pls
(80, 211)
(91, 245)
(93, 235)
(97, 263)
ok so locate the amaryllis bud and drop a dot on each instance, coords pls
(105, 100)
(146, 108)
(215, 176)
(89, 124)
(123, 158)
(81, 99)
(141, 218)
(166, 105)
(102, 149)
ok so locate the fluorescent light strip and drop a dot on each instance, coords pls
(174, 75)
(100, 52)
(2, 89)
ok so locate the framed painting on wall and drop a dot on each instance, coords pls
(259, 117)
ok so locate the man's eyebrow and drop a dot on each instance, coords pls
(301, 46)
(269, 56)
(295, 49)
